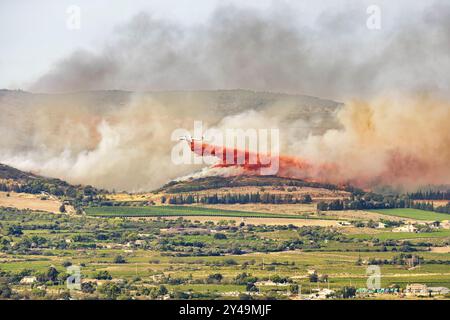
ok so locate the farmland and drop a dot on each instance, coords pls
(242, 242)
(404, 235)
(29, 201)
(414, 214)
(150, 258)
(168, 211)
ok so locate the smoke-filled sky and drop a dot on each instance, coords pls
(321, 48)
(394, 82)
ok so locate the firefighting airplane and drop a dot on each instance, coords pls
(190, 139)
(248, 160)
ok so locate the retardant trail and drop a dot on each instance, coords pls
(254, 163)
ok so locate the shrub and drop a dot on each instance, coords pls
(119, 259)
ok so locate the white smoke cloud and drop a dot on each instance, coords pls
(128, 147)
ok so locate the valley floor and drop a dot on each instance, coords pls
(208, 257)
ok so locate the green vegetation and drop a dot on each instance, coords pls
(414, 214)
(168, 211)
(15, 180)
(240, 181)
(430, 195)
(123, 258)
(403, 235)
(374, 201)
(241, 198)
(122, 255)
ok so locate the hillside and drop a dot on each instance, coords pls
(224, 101)
(12, 179)
(217, 182)
(26, 107)
(10, 173)
(52, 133)
(258, 190)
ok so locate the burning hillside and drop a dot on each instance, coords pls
(401, 143)
(121, 140)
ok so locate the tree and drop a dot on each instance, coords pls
(162, 291)
(220, 236)
(244, 278)
(15, 231)
(294, 288)
(348, 292)
(214, 278)
(322, 206)
(313, 277)
(103, 275)
(5, 291)
(87, 287)
(110, 290)
(307, 199)
(52, 274)
(62, 208)
(119, 259)
(251, 287)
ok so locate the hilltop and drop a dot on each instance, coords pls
(217, 182)
(12, 179)
(212, 105)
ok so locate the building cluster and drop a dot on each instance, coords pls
(422, 290)
(414, 228)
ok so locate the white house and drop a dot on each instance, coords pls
(423, 290)
(438, 290)
(381, 225)
(139, 242)
(269, 283)
(28, 280)
(416, 289)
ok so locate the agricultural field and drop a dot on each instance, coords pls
(361, 215)
(29, 201)
(158, 257)
(405, 235)
(414, 214)
(278, 245)
(275, 221)
(167, 211)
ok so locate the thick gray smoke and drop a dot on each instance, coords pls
(337, 56)
(125, 144)
(122, 141)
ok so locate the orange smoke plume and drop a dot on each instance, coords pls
(251, 163)
(400, 142)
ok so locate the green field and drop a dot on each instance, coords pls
(188, 259)
(403, 235)
(414, 214)
(174, 211)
